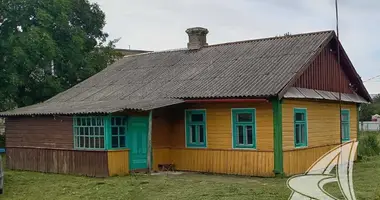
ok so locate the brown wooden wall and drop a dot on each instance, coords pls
(88, 163)
(323, 74)
(39, 131)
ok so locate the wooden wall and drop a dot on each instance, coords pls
(40, 131)
(88, 163)
(297, 161)
(323, 131)
(324, 73)
(118, 162)
(219, 156)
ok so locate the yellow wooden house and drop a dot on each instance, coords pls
(258, 107)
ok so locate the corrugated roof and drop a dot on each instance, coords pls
(91, 107)
(254, 68)
(304, 93)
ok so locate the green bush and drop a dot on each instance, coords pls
(369, 145)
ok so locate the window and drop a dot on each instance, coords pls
(99, 132)
(345, 127)
(118, 132)
(89, 132)
(300, 127)
(195, 128)
(244, 128)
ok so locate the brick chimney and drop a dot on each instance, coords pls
(197, 38)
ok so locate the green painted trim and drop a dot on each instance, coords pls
(295, 122)
(188, 123)
(277, 137)
(358, 121)
(346, 112)
(150, 149)
(235, 123)
(107, 132)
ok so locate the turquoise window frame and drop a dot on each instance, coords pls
(189, 124)
(300, 122)
(345, 126)
(90, 131)
(120, 134)
(86, 130)
(235, 124)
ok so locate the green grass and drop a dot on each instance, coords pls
(31, 185)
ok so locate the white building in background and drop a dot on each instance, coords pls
(376, 118)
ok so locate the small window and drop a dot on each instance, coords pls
(345, 126)
(300, 127)
(244, 131)
(89, 132)
(118, 132)
(195, 128)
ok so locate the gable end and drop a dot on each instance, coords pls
(324, 74)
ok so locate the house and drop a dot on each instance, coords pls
(257, 107)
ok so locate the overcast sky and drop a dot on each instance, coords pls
(161, 24)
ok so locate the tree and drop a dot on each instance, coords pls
(367, 110)
(47, 46)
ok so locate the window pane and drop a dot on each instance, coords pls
(99, 121)
(88, 121)
(124, 122)
(115, 131)
(81, 142)
(96, 131)
(345, 117)
(85, 131)
(201, 134)
(93, 121)
(303, 134)
(298, 133)
(91, 129)
(115, 142)
(78, 122)
(122, 141)
(249, 135)
(118, 121)
(193, 134)
(197, 117)
(244, 117)
(101, 142)
(112, 121)
(240, 134)
(81, 131)
(102, 131)
(86, 142)
(300, 117)
(91, 142)
(121, 130)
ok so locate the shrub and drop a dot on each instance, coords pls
(368, 146)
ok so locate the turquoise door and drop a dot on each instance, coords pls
(137, 137)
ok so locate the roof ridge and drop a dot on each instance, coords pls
(235, 42)
(272, 38)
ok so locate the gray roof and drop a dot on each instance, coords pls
(303, 93)
(254, 68)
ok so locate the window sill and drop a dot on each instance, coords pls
(301, 147)
(245, 148)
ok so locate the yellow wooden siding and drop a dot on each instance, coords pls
(299, 160)
(322, 122)
(241, 162)
(118, 162)
(161, 156)
(323, 132)
(219, 125)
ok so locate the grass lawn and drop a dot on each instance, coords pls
(31, 185)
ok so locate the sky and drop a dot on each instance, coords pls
(161, 24)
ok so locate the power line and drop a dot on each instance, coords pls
(378, 76)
